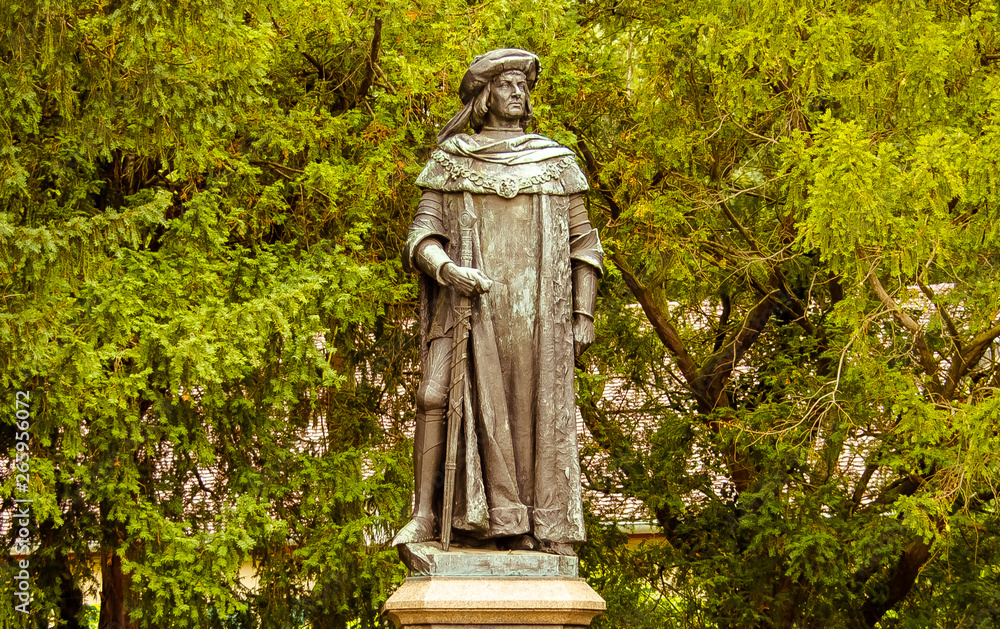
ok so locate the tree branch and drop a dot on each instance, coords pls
(594, 171)
(862, 486)
(716, 371)
(973, 353)
(798, 312)
(314, 61)
(905, 486)
(740, 228)
(976, 501)
(720, 335)
(927, 360)
(366, 83)
(308, 57)
(666, 333)
(952, 330)
(900, 583)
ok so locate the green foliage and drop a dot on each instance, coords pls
(202, 206)
(801, 197)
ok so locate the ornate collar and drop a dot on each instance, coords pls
(506, 187)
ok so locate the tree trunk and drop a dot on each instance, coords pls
(114, 584)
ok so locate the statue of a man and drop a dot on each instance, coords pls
(501, 228)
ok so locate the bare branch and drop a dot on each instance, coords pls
(892, 306)
(309, 57)
(904, 486)
(798, 312)
(981, 342)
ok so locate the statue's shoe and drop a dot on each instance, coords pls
(556, 548)
(415, 531)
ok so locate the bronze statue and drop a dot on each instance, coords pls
(509, 266)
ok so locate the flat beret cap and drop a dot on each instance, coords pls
(494, 62)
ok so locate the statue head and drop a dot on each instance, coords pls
(506, 98)
(498, 82)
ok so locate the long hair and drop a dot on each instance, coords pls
(474, 113)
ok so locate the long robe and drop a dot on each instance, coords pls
(519, 465)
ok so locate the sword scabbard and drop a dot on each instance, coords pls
(459, 367)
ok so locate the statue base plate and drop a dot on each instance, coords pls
(428, 559)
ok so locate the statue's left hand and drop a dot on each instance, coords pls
(583, 333)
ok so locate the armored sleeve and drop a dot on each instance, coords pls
(428, 223)
(584, 243)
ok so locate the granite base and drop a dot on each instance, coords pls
(475, 589)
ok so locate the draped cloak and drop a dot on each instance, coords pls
(519, 468)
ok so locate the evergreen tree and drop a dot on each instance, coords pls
(202, 206)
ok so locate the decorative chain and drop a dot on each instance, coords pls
(507, 187)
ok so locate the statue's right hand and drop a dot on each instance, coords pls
(466, 280)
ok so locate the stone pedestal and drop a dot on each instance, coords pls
(476, 589)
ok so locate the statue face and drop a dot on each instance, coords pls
(509, 95)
